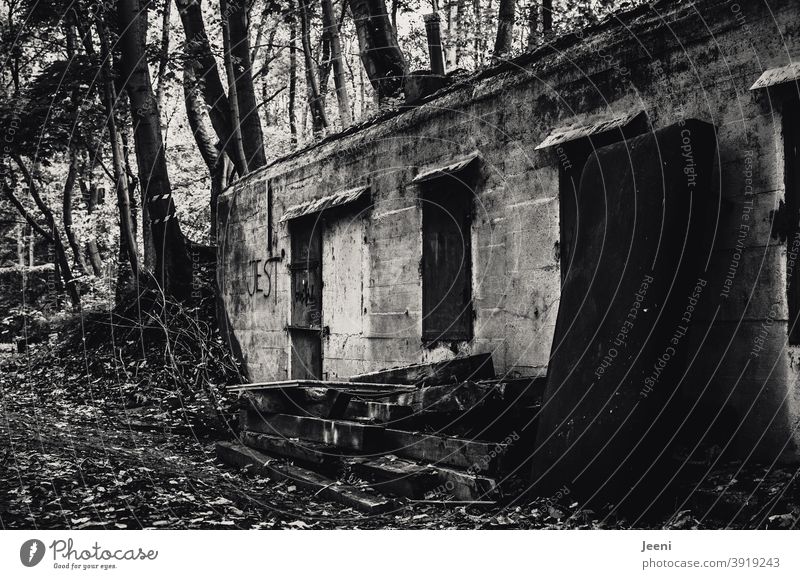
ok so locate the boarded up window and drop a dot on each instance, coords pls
(446, 260)
(791, 139)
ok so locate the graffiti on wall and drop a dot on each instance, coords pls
(260, 277)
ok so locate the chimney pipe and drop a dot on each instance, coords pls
(434, 43)
(547, 18)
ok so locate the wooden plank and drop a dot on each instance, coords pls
(478, 367)
(444, 450)
(317, 403)
(465, 486)
(396, 476)
(359, 386)
(342, 434)
(240, 455)
(301, 450)
(453, 503)
(449, 398)
(380, 412)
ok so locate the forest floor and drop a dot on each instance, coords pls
(72, 456)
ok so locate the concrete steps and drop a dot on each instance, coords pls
(402, 440)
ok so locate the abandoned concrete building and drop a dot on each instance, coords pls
(515, 214)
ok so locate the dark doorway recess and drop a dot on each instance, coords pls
(446, 259)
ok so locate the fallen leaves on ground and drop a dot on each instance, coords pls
(74, 456)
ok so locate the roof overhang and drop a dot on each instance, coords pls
(326, 203)
(779, 75)
(446, 170)
(576, 131)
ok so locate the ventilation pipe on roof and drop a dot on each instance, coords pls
(434, 35)
(421, 83)
(547, 18)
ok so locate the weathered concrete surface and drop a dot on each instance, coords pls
(672, 61)
(646, 215)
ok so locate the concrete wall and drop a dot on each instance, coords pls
(699, 64)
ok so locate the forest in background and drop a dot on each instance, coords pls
(123, 120)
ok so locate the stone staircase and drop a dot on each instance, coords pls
(369, 444)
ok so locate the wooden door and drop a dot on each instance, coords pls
(446, 261)
(305, 329)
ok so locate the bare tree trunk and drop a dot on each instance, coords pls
(23, 211)
(339, 78)
(533, 24)
(173, 266)
(318, 120)
(476, 31)
(259, 35)
(66, 206)
(213, 157)
(452, 33)
(505, 30)
(292, 74)
(62, 263)
(459, 38)
(204, 66)
(383, 60)
(127, 227)
(163, 57)
(217, 184)
(72, 172)
(95, 260)
(230, 72)
(196, 115)
(324, 66)
(362, 91)
(239, 68)
(547, 18)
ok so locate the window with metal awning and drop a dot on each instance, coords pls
(624, 125)
(450, 170)
(778, 76)
(339, 199)
(573, 143)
